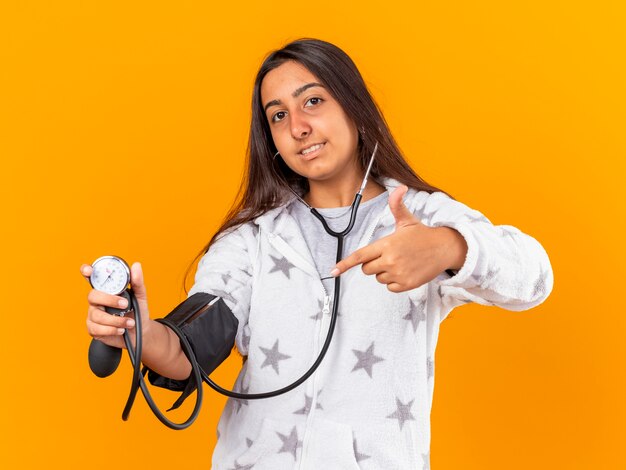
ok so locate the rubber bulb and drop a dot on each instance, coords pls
(103, 359)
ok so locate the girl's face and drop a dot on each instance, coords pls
(313, 134)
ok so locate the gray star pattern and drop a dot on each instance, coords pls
(440, 292)
(508, 233)
(366, 359)
(403, 412)
(245, 337)
(225, 278)
(430, 367)
(320, 312)
(476, 217)
(416, 313)
(272, 356)
(426, 459)
(239, 402)
(290, 442)
(223, 295)
(426, 215)
(320, 307)
(540, 284)
(308, 402)
(358, 455)
(249, 442)
(241, 467)
(487, 278)
(282, 265)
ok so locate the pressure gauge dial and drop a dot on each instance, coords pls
(110, 274)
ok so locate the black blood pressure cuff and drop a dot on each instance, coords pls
(210, 328)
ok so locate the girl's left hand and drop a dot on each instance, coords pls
(413, 255)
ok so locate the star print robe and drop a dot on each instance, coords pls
(368, 405)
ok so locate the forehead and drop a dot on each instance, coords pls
(282, 81)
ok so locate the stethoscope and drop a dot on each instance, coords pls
(111, 274)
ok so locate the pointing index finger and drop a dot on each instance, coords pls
(363, 255)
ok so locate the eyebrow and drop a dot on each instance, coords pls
(295, 94)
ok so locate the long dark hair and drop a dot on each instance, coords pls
(261, 190)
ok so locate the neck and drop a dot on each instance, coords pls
(332, 194)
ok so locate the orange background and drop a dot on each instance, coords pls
(122, 131)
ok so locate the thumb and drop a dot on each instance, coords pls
(400, 212)
(136, 281)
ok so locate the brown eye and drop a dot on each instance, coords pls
(314, 101)
(279, 116)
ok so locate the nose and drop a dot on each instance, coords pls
(300, 126)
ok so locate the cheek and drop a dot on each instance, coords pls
(279, 136)
(347, 128)
(350, 137)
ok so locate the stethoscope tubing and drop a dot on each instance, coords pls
(199, 375)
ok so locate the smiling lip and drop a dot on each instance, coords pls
(314, 153)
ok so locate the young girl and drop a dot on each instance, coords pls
(413, 255)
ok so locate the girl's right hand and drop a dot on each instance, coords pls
(109, 328)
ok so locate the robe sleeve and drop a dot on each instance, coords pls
(503, 266)
(226, 271)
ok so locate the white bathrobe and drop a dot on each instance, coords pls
(368, 405)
